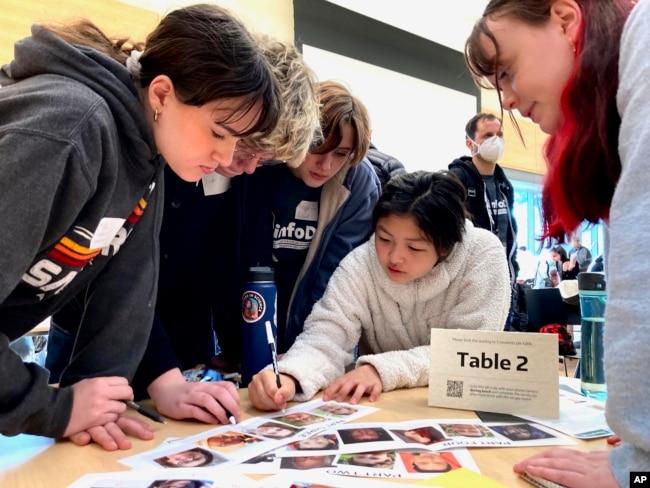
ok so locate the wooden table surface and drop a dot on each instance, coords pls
(29, 461)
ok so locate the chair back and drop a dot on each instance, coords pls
(545, 306)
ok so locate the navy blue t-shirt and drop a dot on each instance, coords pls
(295, 218)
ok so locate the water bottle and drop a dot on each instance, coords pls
(593, 297)
(259, 300)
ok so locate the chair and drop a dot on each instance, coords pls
(545, 306)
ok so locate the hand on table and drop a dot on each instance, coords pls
(208, 401)
(264, 394)
(113, 435)
(97, 401)
(356, 383)
(96, 415)
(571, 468)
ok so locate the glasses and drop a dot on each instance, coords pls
(240, 155)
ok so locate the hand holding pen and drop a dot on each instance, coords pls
(211, 402)
(147, 412)
(264, 393)
(153, 415)
(274, 353)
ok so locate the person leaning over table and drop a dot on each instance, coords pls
(579, 69)
(198, 230)
(88, 141)
(425, 266)
(303, 221)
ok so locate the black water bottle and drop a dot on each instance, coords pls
(259, 299)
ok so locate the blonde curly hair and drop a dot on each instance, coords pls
(299, 124)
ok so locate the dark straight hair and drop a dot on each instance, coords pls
(436, 201)
(206, 52)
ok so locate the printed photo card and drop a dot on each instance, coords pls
(316, 437)
(231, 444)
(425, 434)
(411, 463)
(402, 464)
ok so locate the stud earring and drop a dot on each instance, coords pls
(573, 45)
(155, 113)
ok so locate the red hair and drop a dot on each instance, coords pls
(583, 163)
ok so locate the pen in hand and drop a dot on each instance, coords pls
(274, 354)
(147, 412)
(231, 417)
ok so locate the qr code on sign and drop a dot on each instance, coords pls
(454, 389)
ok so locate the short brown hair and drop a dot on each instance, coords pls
(340, 107)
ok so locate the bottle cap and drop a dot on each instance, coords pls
(260, 273)
(591, 281)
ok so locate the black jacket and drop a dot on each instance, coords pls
(471, 178)
(385, 166)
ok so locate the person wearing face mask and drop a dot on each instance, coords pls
(490, 195)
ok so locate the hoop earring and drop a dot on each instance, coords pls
(155, 113)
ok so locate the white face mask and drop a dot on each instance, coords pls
(491, 149)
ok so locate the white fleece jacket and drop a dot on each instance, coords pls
(390, 321)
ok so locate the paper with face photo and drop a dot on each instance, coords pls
(253, 436)
(529, 434)
(270, 464)
(403, 464)
(265, 463)
(381, 436)
(342, 410)
(386, 435)
(176, 455)
(307, 462)
(323, 443)
(383, 460)
(321, 414)
(301, 419)
(425, 464)
(179, 478)
(468, 433)
(229, 441)
(227, 444)
(273, 430)
(464, 433)
(364, 437)
(419, 434)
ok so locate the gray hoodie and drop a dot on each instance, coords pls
(78, 166)
(627, 317)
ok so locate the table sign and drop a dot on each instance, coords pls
(504, 372)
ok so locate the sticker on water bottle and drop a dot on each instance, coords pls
(253, 306)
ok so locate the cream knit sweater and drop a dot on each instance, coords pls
(391, 322)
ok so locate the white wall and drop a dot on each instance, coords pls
(447, 22)
(407, 114)
(273, 17)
